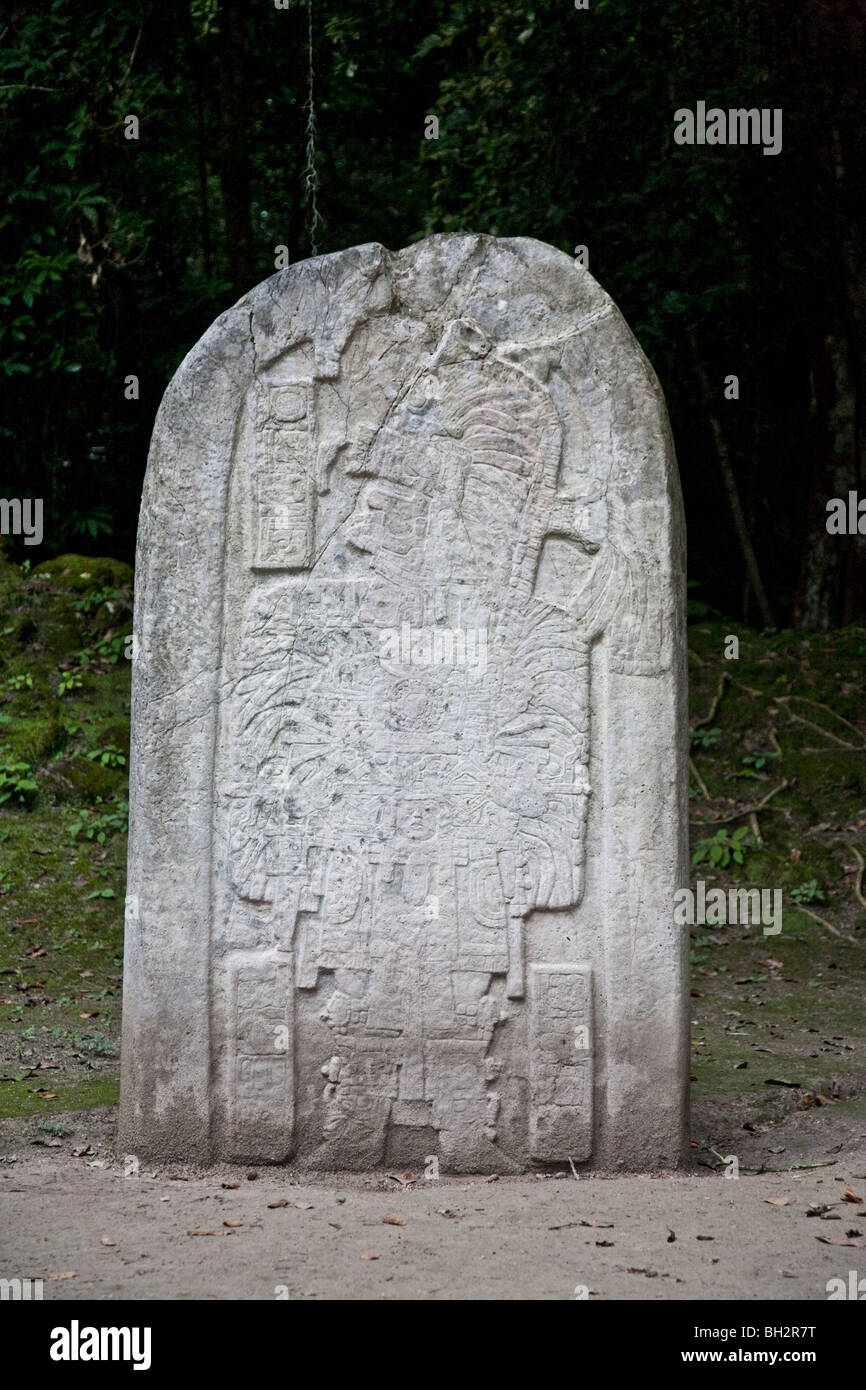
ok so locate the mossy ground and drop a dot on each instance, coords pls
(62, 890)
(779, 1008)
(783, 1008)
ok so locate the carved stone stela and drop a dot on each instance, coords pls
(436, 586)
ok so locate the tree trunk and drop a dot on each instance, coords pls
(824, 598)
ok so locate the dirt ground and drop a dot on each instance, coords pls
(72, 1217)
(778, 1025)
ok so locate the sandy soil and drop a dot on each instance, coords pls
(532, 1237)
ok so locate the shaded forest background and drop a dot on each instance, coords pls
(554, 122)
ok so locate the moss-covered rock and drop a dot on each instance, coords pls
(116, 735)
(79, 779)
(83, 573)
(31, 737)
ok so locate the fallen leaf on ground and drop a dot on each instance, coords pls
(598, 1225)
(231, 1185)
(106, 1240)
(394, 1220)
(210, 1233)
(233, 1223)
(369, 1257)
(705, 1237)
(67, 1274)
(777, 1201)
(849, 1196)
(844, 1240)
(304, 1206)
(281, 1203)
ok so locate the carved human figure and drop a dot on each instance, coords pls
(404, 818)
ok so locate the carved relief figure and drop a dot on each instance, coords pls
(399, 821)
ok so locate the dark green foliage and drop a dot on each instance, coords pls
(554, 123)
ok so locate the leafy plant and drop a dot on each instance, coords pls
(72, 936)
(105, 650)
(97, 1043)
(724, 848)
(54, 1127)
(16, 782)
(753, 763)
(91, 523)
(112, 649)
(89, 602)
(72, 680)
(84, 658)
(109, 756)
(100, 826)
(705, 738)
(20, 682)
(757, 760)
(808, 892)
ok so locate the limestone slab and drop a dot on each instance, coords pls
(409, 780)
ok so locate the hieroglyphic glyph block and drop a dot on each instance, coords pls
(284, 484)
(408, 788)
(560, 1061)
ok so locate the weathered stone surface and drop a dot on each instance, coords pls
(408, 803)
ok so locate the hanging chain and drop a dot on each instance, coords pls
(311, 180)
